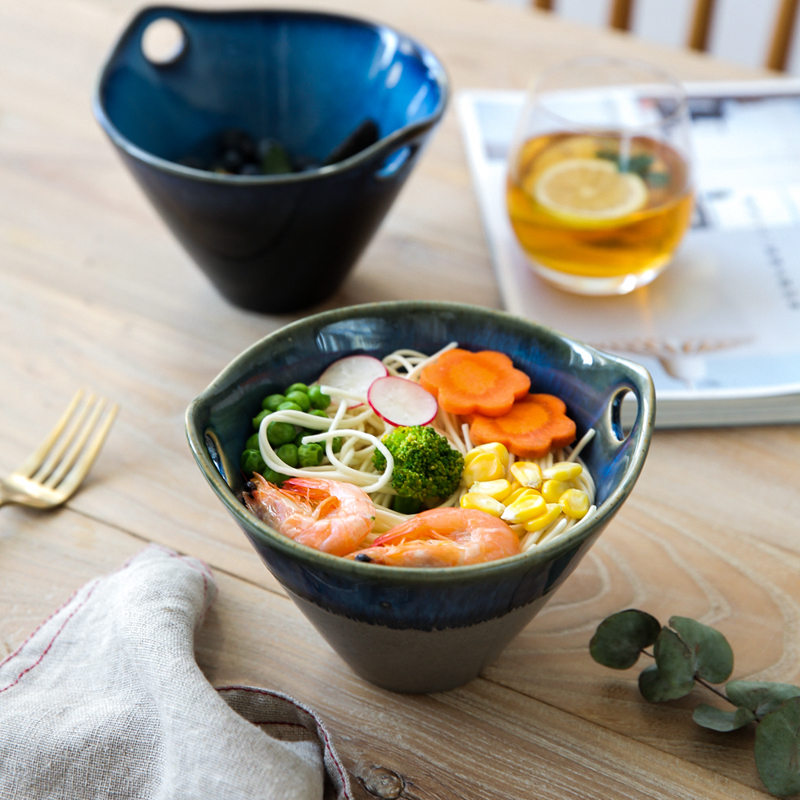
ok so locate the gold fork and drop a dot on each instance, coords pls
(52, 473)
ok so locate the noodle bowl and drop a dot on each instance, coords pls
(423, 630)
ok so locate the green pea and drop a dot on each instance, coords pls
(288, 405)
(272, 402)
(252, 461)
(298, 440)
(252, 443)
(406, 505)
(336, 444)
(257, 419)
(288, 454)
(279, 433)
(301, 398)
(273, 477)
(297, 387)
(318, 398)
(309, 455)
(317, 412)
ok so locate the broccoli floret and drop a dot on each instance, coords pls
(425, 465)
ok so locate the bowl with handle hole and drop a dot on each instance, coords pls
(415, 629)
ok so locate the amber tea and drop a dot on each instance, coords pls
(599, 206)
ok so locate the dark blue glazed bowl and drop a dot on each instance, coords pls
(423, 630)
(271, 243)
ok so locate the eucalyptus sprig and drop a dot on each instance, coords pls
(688, 653)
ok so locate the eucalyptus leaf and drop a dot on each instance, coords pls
(760, 697)
(655, 689)
(777, 749)
(719, 720)
(675, 661)
(621, 637)
(713, 657)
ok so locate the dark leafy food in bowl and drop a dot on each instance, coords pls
(239, 153)
(431, 493)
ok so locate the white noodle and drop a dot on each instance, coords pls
(511, 460)
(467, 439)
(554, 531)
(585, 439)
(413, 375)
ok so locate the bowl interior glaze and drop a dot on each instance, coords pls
(306, 79)
(424, 629)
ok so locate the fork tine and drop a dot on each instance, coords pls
(65, 440)
(84, 463)
(35, 459)
(77, 443)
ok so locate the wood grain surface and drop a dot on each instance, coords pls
(95, 292)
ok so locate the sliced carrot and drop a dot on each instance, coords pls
(475, 383)
(535, 425)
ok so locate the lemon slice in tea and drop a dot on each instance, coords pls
(589, 192)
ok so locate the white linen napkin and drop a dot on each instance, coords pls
(105, 700)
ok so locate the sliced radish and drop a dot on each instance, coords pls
(402, 402)
(353, 374)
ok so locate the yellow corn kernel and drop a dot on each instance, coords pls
(548, 518)
(521, 494)
(482, 502)
(552, 490)
(516, 491)
(495, 448)
(499, 489)
(563, 471)
(527, 473)
(574, 503)
(527, 507)
(483, 467)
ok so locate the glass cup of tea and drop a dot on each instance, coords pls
(600, 189)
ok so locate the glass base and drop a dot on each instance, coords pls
(589, 285)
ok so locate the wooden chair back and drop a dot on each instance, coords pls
(621, 15)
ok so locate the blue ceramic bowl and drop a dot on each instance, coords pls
(272, 243)
(423, 630)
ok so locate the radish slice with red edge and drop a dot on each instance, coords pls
(353, 374)
(402, 402)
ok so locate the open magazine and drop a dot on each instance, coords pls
(719, 330)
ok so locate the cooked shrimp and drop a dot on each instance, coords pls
(330, 516)
(443, 537)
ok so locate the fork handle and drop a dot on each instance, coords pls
(5, 498)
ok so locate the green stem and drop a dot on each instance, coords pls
(716, 691)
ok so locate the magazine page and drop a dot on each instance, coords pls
(719, 329)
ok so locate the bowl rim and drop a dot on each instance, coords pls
(642, 430)
(386, 145)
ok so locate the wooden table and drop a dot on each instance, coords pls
(95, 292)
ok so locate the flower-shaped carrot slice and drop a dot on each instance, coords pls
(475, 383)
(535, 425)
